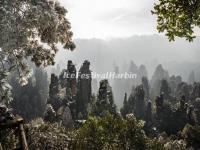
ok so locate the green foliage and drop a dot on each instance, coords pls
(192, 135)
(177, 18)
(39, 136)
(31, 29)
(171, 120)
(8, 138)
(5, 88)
(112, 133)
(47, 136)
(178, 145)
(29, 101)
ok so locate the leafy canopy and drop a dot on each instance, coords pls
(30, 29)
(177, 18)
(113, 133)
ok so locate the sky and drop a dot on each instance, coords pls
(110, 18)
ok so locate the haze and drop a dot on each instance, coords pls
(110, 18)
(112, 33)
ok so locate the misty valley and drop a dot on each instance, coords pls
(99, 75)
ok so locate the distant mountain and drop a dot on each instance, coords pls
(149, 50)
(179, 57)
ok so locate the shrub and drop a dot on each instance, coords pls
(112, 133)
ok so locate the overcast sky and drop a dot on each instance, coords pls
(110, 18)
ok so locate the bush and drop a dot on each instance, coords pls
(112, 133)
(47, 136)
(192, 135)
(178, 145)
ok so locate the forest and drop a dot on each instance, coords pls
(55, 103)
